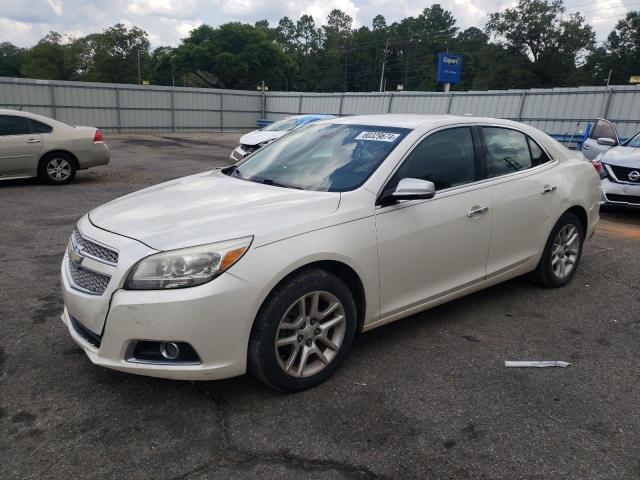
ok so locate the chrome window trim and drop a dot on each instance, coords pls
(471, 185)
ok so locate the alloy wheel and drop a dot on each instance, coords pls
(310, 334)
(59, 169)
(565, 251)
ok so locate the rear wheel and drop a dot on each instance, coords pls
(57, 168)
(303, 332)
(562, 252)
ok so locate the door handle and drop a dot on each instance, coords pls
(548, 189)
(477, 211)
(586, 147)
(33, 140)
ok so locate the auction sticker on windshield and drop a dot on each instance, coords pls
(378, 136)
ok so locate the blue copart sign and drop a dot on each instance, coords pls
(449, 68)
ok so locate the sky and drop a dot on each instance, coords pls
(24, 22)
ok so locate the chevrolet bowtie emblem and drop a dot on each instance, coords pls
(75, 256)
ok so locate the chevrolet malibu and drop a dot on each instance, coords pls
(274, 264)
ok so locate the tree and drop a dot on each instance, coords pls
(52, 58)
(114, 55)
(233, 55)
(11, 60)
(537, 28)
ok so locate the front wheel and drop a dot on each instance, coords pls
(303, 332)
(562, 252)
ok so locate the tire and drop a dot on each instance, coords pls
(57, 168)
(558, 251)
(306, 333)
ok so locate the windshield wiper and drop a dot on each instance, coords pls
(233, 171)
(268, 181)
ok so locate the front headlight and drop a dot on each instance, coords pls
(186, 267)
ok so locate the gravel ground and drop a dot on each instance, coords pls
(425, 397)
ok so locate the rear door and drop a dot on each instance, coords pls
(601, 129)
(19, 148)
(524, 185)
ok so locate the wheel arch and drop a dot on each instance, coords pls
(342, 270)
(580, 212)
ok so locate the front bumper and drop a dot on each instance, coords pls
(620, 194)
(238, 154)
(214, 318)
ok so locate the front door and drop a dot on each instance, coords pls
(19, 148)
(428, 248)
(601, 129)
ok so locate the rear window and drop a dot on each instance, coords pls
(39, 127)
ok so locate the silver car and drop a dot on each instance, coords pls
(620, 173)
(35, 146)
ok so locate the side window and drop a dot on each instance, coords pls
(446, 158)
(603, 129)
(39, 127)
(507, 151)
(538, 156)
(11, 125)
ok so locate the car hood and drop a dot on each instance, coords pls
(622, 157)
(258, 136)
(210, 207)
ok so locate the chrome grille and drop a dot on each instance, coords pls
(89, 248)
(92, 282)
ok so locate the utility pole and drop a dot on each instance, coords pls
(406, 60)
(139, 76)
(386, 47)
(346, 52)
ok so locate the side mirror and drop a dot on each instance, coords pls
(410, 189)
(606, 141)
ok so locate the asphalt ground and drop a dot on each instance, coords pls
(425, 397)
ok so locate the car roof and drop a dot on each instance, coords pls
(413, 121)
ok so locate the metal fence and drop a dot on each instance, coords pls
(134, 108)
(559, 110)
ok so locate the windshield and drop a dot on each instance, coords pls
(285, 125)
(327, 158)
(633, 141)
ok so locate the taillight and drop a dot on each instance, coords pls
(98, 138)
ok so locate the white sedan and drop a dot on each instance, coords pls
(35, 146)
(274, 264)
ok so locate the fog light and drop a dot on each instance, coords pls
(169, 350)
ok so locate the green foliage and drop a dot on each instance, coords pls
(534, 44)
(11, 59)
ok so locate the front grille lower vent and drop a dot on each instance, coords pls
(89, 248)
(632, 199)
(88, 280)
(93, 338)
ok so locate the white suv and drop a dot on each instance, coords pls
(273, 265)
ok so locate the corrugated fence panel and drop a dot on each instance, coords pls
(329, 104)
(365, 104)
(136, 108)
(624, 111)
(243, 103)
(278, 104)
(487, 104)
(412, 103)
